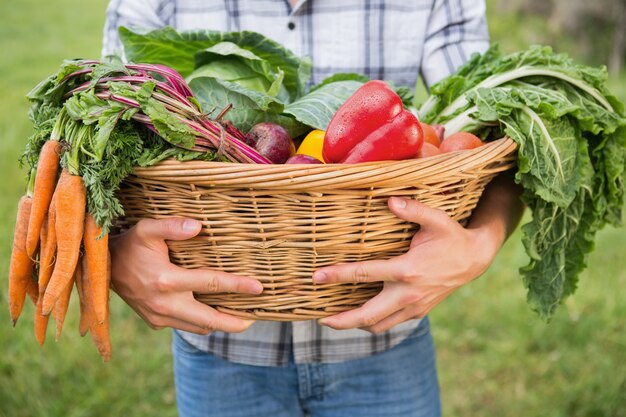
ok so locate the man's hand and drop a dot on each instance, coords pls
(442, 257)
(161, 292)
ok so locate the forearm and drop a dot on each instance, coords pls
(454, 33)
(498, 212)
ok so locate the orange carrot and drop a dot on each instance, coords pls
(32, 289)
(97, 252)
(41, 323)
(70, 196)
(46, 264)
(60, 308)
(99, 331)
(85, 318)
(45, 180)
(21, 266)
(48, 248)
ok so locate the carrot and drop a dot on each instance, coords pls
(99, 331)
(97, 252)
(21, 266)
(85, 318)
(48, 248)
(32, 289)
(60, 307)
(41, 323)
(70, 196)
(46, 264)
(45, 180)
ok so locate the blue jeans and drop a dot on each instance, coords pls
(399, 382)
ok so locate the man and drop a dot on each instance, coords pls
(377, 360)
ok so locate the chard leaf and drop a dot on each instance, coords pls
(547, 142)
(493, 69)
(571, 137)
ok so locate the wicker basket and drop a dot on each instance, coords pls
(279, 223)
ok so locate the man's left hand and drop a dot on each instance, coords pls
(443, 256)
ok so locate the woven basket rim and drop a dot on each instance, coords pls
(322, 176)
(466, 155)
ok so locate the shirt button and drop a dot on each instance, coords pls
(291, 25)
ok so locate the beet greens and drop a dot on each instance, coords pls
(111, 117)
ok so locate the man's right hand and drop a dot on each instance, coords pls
(161, 292)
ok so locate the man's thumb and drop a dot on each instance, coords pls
(173, 228)
(420, 213)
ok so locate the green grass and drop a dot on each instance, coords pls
(495, 357)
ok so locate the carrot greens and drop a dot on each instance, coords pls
(110, 117)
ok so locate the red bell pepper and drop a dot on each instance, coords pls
(372, 125)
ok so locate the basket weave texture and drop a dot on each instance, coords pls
(279, 223)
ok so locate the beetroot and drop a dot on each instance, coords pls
(303, 159)
(272, 141)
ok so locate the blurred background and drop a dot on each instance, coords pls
(495, 356)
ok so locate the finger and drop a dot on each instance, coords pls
(185, 317)
(172, 228)
(369, 314)
(416, 212)
(366, 271)
(204, 317)
(207, 281)
(165, 322)
(408, 313)
(180, 325)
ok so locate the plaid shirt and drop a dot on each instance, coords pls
(395, 40)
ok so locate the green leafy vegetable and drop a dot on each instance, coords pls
(250, 74)
(229, 62)
(262, 80)
(249, 107)
(318, 107)
(106, 116)
(571, 137)
(177, 50)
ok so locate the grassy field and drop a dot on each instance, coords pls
(496, 358)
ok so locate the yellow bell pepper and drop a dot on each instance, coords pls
(312, 144)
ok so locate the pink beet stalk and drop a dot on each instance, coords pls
(174, 94)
